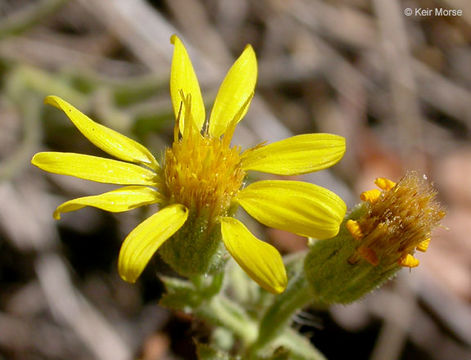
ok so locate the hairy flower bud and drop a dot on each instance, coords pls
(377, 238)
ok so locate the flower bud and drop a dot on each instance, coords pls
(376, 239)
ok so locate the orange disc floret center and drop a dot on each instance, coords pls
(398, 221)
(202, 173)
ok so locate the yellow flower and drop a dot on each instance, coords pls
(201, 180)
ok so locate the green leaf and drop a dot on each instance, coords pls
(181, 295)
(207, 352)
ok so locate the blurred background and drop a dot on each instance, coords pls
(397, 87)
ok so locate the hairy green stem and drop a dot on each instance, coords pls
(298, 345)
(223, 312)
(278, 316)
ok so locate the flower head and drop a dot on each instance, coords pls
(200, 181)
(378, 237)
(397, 222)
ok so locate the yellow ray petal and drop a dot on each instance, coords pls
(183, 79)
(94, 168)
(296, 155)
(122, 199)
(106, 139)
(301, 208)
(237, 87)
(261, 261)
(146, 238)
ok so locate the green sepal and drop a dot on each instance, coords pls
(195, 249)
(333, 279)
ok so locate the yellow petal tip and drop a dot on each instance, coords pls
(260, 260)
(52, 100)
(249, 47)
(130, 280)
(174, 38)
(38, 159)
(278, 289)
(56, 215)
